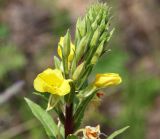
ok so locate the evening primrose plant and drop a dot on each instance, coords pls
(67, 87)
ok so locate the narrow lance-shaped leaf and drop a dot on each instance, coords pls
(46, 120)
(116, 133)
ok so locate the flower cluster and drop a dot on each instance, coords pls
(78, 59)
(68, 83)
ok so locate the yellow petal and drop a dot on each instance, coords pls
(39, 85)
(52, 76)
(64, 88)
(52, 81)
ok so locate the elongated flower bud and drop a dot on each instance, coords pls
(97, 54)
(81, 47)
(108, 79)
(95, 38)
(78, 71)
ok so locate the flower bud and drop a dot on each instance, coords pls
(98, 53)
(95, 38)
(108, 79)
(81, 25)
(81, 47)
(78, 71)
(96, 26)
(68, 51)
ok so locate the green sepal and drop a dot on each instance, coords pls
(53, 101)
(110, 34)
(65, 53)
(88, 22)
(57, 63)
(82, 26)
(66, 44)
(73, 65)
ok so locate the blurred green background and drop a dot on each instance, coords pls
(29, 33)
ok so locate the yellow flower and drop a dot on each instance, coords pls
(104, 80)
(52, 81)
(72, 46)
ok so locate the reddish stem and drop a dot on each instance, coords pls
(69, 125)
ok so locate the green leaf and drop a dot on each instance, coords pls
(46, 120)
(72, 137)
(116, 133)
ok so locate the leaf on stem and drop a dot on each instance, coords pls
(116, 133)
(46, 120)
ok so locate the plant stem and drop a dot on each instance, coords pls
(69, 125)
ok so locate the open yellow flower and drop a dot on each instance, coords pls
(52, 81)
(104, 80)
(72, 49)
